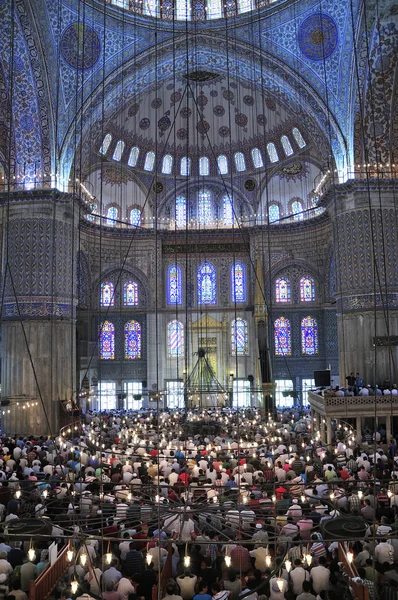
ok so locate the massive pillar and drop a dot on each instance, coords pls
(38, 330)
(366, 257)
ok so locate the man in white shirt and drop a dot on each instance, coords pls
(384, 553)
(320, 576)
(297, 576)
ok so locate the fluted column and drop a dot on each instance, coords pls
(38, 331)
(366, 278)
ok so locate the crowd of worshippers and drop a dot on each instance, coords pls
(229, 511)
(356, 387)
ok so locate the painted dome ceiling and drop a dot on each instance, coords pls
(203, 113)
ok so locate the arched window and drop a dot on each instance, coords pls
(175, 338)
(107, 341)
(151, 8)
(245, 6)
(185, 167)
(111, 215)
(214, 9)
(134, 153)
(299, 138)
(307, 289)
(282, 337)
(204, 208)
(238, 282)
(309, 336)
(207, 286)
(174, 285)
(132, 340)
(273, 213)
(287, 147)
(167, 164)
(117, 155)
(239, 337)
(222, 163)
(149, 161)
(135, 217)
(272, 153)
(182, 10)
(257, 159)
(228, 210)
(130, 293)
(282, 290)
(181, 212)
(107, 297)
(240, 162)
(105, 144)
(203, 166)
(297, 210)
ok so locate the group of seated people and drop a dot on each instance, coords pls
(150, 512)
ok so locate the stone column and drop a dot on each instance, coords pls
(39, 330)
(388, 430)
(323, 428)
(358, 427)
(329, 431)
(365, 239)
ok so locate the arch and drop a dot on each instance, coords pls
(132, 340)
(112, 215)
(282, 290)
(204, 168)
(309, 336)
(175, 338)
(185, 166)
(228, 211)
(300, 141)
(174, 285)
(307, 289)
(107, 341)
(130, 293)
(296, 209)
(274, 212)
(167, 164)
(257, 158)
(287, 147)
(204, 208)
(107, 295)
(135, 217)
(105, 144)
(239, 337)
(240, 162)
(272, 152)
(133, 156)
(149, 161)
(238, 282)
(222, 163)
(181, 212)
(207, 284)
(282, 337)
(118, 152)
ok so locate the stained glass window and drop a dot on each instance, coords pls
(238, 282)
(132, 340)
(181, 212)
(214, 9)
(309, 336)
(287, 147)
(307, 289)
(134, 153)
(297, 210)
(239, 337)
(174, 285)
(130, 293)
(167, 164)
(245, 5)
(282, 290)
(240, 162)
(228, 211)
(203, 166)
(272, 153)
(257, 158)
(185, 168)
(206, 279)
(273, 213)
(105, 144)
(222, 164)
(111, 215)
(107, 297)
(175, 338)
(135, 217)
(282, 337)
(299, 138)
(182, 10)
(151, 7)
(204, 208)
(117, 155)
(149, 161)
(107, 341)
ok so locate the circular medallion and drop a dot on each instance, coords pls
(224, 131)
(228, 95)
(185, 112)
(164, 123)
(214, 93)
(270, 104)
(182, 134)
(157, 103)
(250, 185)
(203, 127)
(219, 111)
(175, 97)
(261, 120)
(80, 46)
(144, 123)
(248, 100)
(133, 110)
(158, 187)
(318, 36)
(241, 120)
(202, 100)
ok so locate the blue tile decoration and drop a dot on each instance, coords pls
(80, 46)
(318, 36)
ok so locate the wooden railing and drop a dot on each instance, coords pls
(40, 588)
(360, 591)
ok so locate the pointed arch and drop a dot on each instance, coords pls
(174, 285)
(130, 293)
(282, 290)
(107, 296)
(132, 340)
(309, 336)
(239, 337)
(282, 337)
(107, 341)
(307, 289)
(238, 282)
(207, 284)
(175, 338)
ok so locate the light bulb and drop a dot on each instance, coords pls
(108, 558)
(227, 561)
(69, 555)
(280, 583)
(360, 494)
(308, 559)
(74, 585)
(332, 496)
(389, 493)
(45, 494)
(350, 557)
(31, 554)
(18, 494)
(288, 565)
(302, 499)
(187, 561)
(268, 560)
(83, 559)
(273, 498)
(148, 559)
